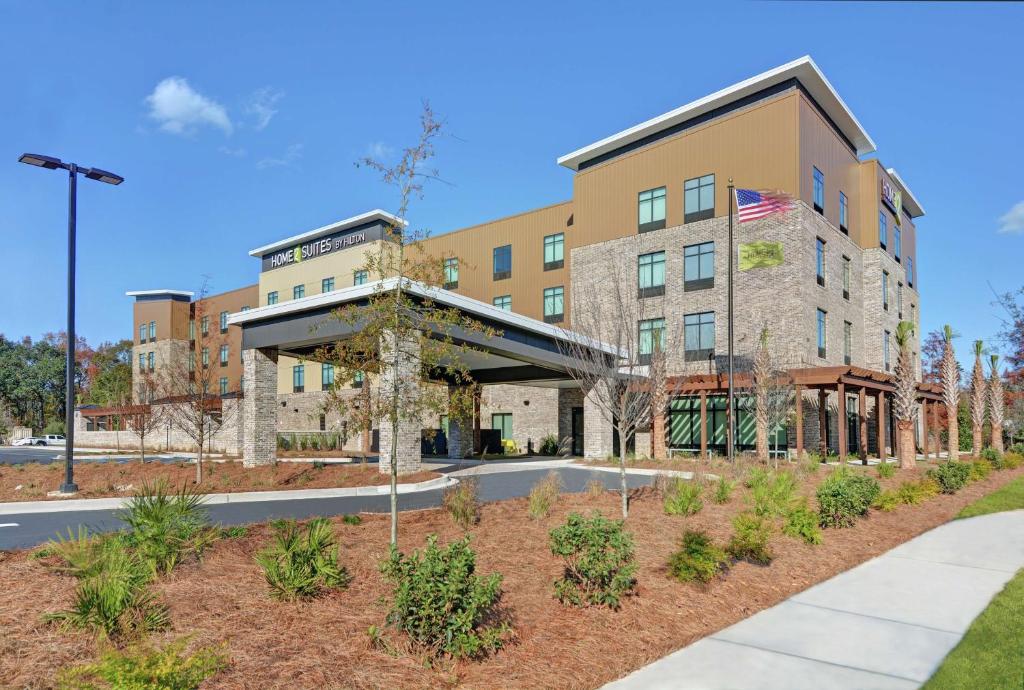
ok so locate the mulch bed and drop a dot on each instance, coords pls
(97, 480)
(324, 643)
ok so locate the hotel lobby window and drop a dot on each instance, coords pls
(699, 335)
(651, 210)
(554, 251)
(326, 376)
(298, 378)
(502, 421)
(554, 304)
(651, 274)
(504, 302)
(503, 262)
(699, 266)
(699, 198)
(451, 274)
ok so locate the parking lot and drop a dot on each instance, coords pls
(15, 455)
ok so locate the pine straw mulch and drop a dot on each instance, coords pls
(98, 479)
(324, 643)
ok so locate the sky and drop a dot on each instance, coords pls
(238, 123)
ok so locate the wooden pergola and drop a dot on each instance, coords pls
(841, 379)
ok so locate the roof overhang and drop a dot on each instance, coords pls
(159, 293)
(803, 69)
(910, 201)
(354, 221)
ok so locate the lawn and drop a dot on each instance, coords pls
(1010, 497)
(991, 655)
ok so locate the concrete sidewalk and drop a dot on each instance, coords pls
(888, 623)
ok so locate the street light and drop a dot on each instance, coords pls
(50, 163)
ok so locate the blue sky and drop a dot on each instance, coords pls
(238, 123)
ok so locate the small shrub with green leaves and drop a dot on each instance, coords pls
(698, 558)
(234, 532)
(165, 527)
(992, 456)
(682, 496)
(951, 476)
(887, 501)
(908, 493)
(723, 490)
(773, 493)
(980, 469)
(1012, 459)
(549, 445)
(442, 604)
(302, 564)
(886, 470)
(844, 496)
(543, 496)
(751, 533)
(145, 667)
(351, 519)
(461, 503)
(599, 567)
(803, 523)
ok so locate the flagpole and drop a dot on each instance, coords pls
(730, 437)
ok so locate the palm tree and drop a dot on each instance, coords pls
(905, 395)
(762, 378)
(950, 390)
(996, 405)
(977, 399)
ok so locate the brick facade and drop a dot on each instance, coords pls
(407, 376)
(259, 407)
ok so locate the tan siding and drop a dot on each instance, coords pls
(822, 148)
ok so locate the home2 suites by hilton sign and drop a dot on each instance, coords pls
(321, 246)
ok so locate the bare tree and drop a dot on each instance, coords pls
(997, 404)
(978, 398)
(950, 371)
(145, 417)
(905, 395)
(629, 387)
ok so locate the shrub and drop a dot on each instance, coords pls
(682, 496)
(698, 559)
(844, 496)
(1012, 459)
(886, 470)
(302, 566)
(802, 522)
(772, 492)
(887, 501)
(351, 519)
(980, 469)
(441, 603)
(283, 442)
(750, 539)
(992, 456)
(461, 503)
(599, 567)
(908, 493)
(234, 532)
(319, 464)
(543, 495)
(951, 475)
(723, 490)
(549, 445)
(147, 668)
(166, 527)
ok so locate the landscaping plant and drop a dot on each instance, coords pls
(951, 476)
(977, 398)
(441, 603)
(166, 527)
(599, 567)
(723, 490)
(549, 445)
(773, 493)
(302, 564)
(681, 496)
(949, 372)
(980, 469)
(886, 470)
(844, 496)
(802, 522)
(543, 495)
(698, 558)
(904, 399)
(749, 542)
(145, 667)
(461, 503)
(1012, 459)
(992, 456)
(996, 404)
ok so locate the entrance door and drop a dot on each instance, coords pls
(577, 431)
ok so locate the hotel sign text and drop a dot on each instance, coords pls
(321, 246)
(893, 198)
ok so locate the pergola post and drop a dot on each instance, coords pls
(880, 413)
(938, 432)
(862, 423)
(703, 424)
(926, 441)
(823, 423)
(841, 390)
(799, 401)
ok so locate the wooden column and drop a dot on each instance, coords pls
(880, 413)
(862, 423)
(926, 441)
(703, 424)
(841, 390)
(938, 430)
(822, 422)
(799, 398)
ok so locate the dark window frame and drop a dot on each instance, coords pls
(699, 353)
(299, 374)
(503, 274)
(450, 263)
(819, 261)
(844, 213)
(701, 213)
(821, 332)
(654, 223)
(553, 317)
(554, 264)
(703, 282)
(654, 289)
(818, 191)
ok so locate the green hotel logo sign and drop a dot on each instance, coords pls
(893, 198)
(760, 255)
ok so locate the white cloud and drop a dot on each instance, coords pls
(180, 109)
(1013, 220)
(291, 155)
(261, 106)
(234, 153)
(379, 150)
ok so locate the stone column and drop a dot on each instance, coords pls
(259, 407)
(407, 376)
(597, 432)
(460, 430)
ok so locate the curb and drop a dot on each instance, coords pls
(644, 471)
(82, 504)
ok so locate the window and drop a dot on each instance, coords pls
(822, 314)
(360, 277)
(844, 214)
(910, 271)
(152, 330)
(204, 325)
(896, 243)
(899, 299)
(699, 335)
(323, 422)
(298, 291)
(847, 342)
(883, 230)
(651, 210)
(245, 308)
(651, 274)
(357, 379)
(885, 290)
(451, 274)
(151, 361)
(326, 376)
(223, 385)
(820, 261)
(699, 266)
(142, 361)
(191, 329)
(846, 277)
(272, 297)
(504, 302)
(503, 422)
(554, 251)
(819, 191)
(554, 307)
(142, 334)
(191, 362)
(503, 262)
(298, 378)
(652, 337)
(223, 322)
(206, 357)
(885, 349)
(224, 354)
(327, 285)
(699, 198)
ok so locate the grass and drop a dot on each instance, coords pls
(991, 655)
(1009, 497)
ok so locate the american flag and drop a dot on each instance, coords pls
(753, 204)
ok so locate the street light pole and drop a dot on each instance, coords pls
(74, 170)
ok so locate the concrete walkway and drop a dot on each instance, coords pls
(888, 623)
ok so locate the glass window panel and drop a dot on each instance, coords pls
(707, 196)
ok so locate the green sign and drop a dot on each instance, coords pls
(760, 255)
